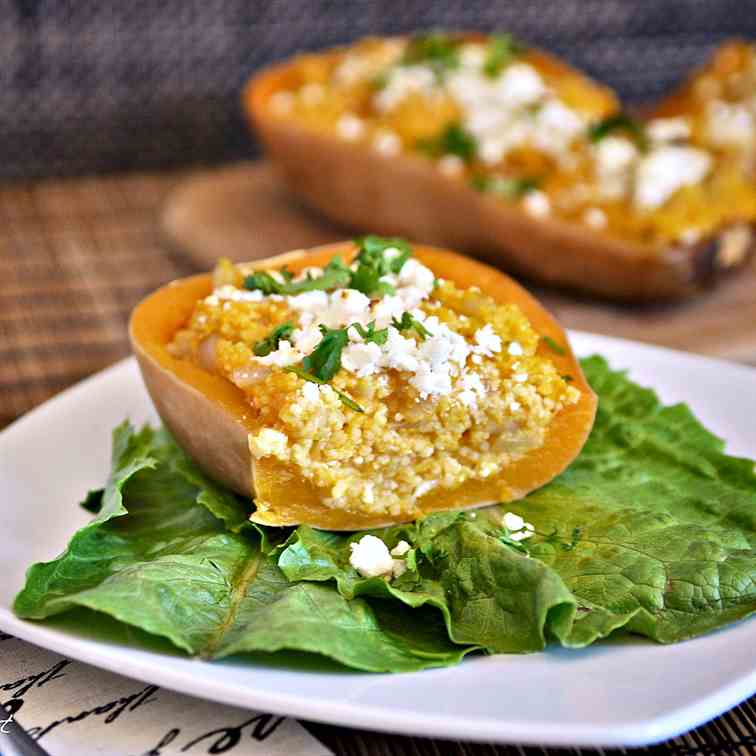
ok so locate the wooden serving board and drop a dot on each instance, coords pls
(244, 212)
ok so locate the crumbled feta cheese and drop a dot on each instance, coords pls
(443, 345)
(451, 165)
(269, 442)
(515, 406)
(306, 339)
(387, 143)
(519, 529)
(284, 356)
(400, 549)
(615, 158)
(664, 170)
(556, 126)
(386, 309)
(362, 359)
(521, 536)
(487, 341)
(431, 382)
(370, 557)
(515, 349)
(234, 294)
(350, 127)
(400, 352)
(411, 296)
(472, 389)
(537, 204)
(499, 112)
(595, 217)
(513, 521)
(311, 392)
(402, 82)
(668, 129)
(520, 85)
(346, 306)
(309, 301)
(415, 274)
(520, 377)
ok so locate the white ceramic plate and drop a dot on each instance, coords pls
(628, 693)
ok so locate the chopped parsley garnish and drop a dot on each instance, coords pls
(453, 140)
(370, 334)
(502, 50)
(379, 81)
(336, 275)
(409, 322)
(270, 343)
(264, 282)
(436, 49)
(322, 364)
(506, 187)
(373, 263)
(325, 361)
(553, 345)
(618, 122)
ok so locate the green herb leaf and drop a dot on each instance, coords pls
(270, 343)
(409, 322)
(336, 275)
(373, 263)
(619, 122)
(553, 345)
(325, 361)
(509, 188)
(453, 140)
(436, 49)
(264, 282)
(502, 50)
(370, 334)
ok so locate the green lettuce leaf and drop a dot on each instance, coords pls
(651, 530)
(160, 556)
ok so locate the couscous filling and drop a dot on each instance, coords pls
(375, 381)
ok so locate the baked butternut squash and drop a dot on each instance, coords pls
(480, 144)
(446, 386)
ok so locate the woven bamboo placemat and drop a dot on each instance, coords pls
(75, 256)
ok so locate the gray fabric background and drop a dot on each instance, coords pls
(93, 86)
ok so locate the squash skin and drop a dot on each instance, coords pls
(405, 195)
(209, 417)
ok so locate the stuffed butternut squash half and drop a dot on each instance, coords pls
(483, 144)
(365, 383)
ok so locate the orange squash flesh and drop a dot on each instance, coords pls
(405, 195)
(210, 418)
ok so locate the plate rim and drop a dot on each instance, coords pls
(643, 731)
